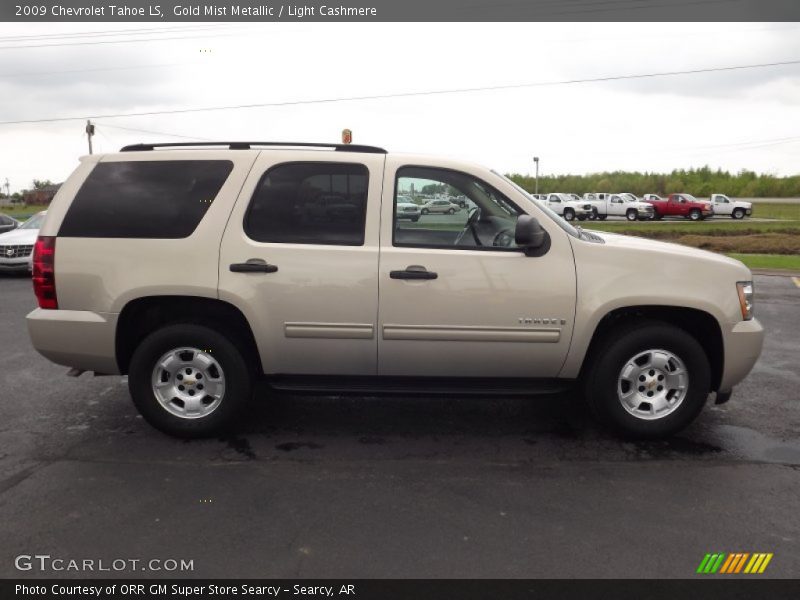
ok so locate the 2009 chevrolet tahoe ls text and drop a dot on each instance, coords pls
(196, 271)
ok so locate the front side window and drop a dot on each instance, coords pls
(487, 222)
(159, 199)
(310, 203)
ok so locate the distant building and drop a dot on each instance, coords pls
(41, 197)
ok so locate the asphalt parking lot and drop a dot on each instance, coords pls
(400, 487)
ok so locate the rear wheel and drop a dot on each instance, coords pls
(737, 213)
(189, 380)
(451, 211)
(424, 211)
(632, 214)
(593, 216)
(649, 380)
(602, 217)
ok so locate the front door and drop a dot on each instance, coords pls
(300, 258)
(457, 298)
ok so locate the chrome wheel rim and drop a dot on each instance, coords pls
(652, 384)
(188, 383)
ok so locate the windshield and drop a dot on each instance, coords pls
(545, 209)
(689, 197)
(35, 222)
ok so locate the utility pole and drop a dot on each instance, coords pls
(8, 189)
(89, 133)
(536, 161)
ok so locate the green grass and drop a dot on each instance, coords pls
(776, 211)
(790, 262)
(20, 213)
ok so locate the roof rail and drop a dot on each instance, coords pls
(248, 145)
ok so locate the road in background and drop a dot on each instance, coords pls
(398, 487)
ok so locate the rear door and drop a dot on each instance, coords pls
(458, 301)
(300, 259)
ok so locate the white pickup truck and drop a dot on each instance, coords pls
(618, 205)
(565, 205)
(736, 209)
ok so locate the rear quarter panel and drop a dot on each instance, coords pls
(103, 274)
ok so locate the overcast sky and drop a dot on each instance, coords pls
(733, 119)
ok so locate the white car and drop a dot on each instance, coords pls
(16, 247)
(564, 205)
(736, 209)
(440, 207)
(406, 209)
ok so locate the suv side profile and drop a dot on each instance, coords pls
(198, 271)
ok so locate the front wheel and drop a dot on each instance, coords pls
(593, 216)
(738, 213)
(632, 215)
(451, 211)
(424, 211)
(657, 215)
(569, 214)
(649, 380)
(414, 219)
(695, 215)
(602, 217)
(189, 380)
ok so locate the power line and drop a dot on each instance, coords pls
(157, 39)
(404, 94)
(150, 131)
(104, 33)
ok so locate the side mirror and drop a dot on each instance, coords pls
(531, 236)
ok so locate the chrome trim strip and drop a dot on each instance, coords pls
(333, 331)
(470, 333)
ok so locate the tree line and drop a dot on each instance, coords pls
(700, 182)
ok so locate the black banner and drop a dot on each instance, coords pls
(405, 10)
(636, 589)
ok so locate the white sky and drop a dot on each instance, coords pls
(733, 120)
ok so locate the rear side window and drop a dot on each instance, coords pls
(163, 199)
(310, 203)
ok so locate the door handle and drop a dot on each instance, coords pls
(414, 272)
(253, 265)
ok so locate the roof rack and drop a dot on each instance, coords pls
(248, 145)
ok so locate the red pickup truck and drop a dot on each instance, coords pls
(680, 205)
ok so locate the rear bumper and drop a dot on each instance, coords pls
(743, 343)
(75, 338)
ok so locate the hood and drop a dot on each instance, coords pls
(674, 251)
(25, 237)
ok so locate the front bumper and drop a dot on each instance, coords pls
(743, 343)
(16, 264)
(75, 338)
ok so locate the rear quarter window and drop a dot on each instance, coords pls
(163, 199)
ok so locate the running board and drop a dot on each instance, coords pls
(316, 384)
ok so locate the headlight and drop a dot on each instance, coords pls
(745, 289)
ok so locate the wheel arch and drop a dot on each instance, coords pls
(701, 325)
(142, 316)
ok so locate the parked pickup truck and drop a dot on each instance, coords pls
(566, 206)
(682, 205)
(198, 272)
(737, 209)
(618, 205)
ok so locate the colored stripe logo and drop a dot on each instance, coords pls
(735, 563)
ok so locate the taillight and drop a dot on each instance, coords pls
(44, 271)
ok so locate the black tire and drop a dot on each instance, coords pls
(617, 349)
(593, 216)
(695, 215)
(737, 213)
(569, 214)
(657, 215)
(414, 219)
(451, 211)
(425, 211)
(602, 217)
(632, 214)
(238, 379)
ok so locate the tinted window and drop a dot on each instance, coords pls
(145, 199)
(310, 203)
